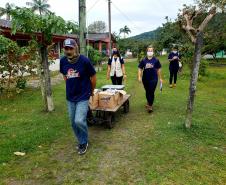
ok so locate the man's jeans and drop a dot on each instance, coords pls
(78, 114)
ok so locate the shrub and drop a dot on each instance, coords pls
(15, 61)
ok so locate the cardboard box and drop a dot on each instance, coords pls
(94, 100)
(109, 100)
(121, 93)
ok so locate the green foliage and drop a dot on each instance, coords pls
(141, 56)
(24, 19)
(21, 83)
(203, 68)
(215, 37)
(94, 55)
(221, 4)
(133, 45)
(73, 27)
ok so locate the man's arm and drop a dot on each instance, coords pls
(93, 80)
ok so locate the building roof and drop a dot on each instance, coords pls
(104, 37)
(99, 37)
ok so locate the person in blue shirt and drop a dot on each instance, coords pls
(80, 77)
(116, 68)
(174, 59)
(149, 71)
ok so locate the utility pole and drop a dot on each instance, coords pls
(82, 26)
(109, 24)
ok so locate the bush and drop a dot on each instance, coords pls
(203, 68)
(94, 55)
(15, 61)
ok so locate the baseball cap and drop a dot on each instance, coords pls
(70, 43)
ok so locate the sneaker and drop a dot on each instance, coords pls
(174, 85)
(171, 86)
(149, 109)
(82, 149)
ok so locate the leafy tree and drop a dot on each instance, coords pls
(215, 39)
(74, 27)
(97, 27)
(195, 32)
(221, 4)
(25, 20)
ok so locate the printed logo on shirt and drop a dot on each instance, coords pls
(71, 73)
(149, 66)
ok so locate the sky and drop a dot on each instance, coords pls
(139, 15)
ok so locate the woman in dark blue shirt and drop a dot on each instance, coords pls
(174, 59)
(149, 71)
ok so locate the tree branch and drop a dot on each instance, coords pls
(211, 14)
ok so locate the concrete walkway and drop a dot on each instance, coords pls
(54, 81)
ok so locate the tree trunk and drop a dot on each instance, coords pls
(49, 106)
(194, 78)
(41, 79)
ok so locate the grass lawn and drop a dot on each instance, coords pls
(142, 148)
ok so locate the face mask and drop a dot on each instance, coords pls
(150, 53)
(69, 55)
(175, 52)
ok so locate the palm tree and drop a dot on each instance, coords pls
(41, 6)
(116, 36)
(7, 10)
(125, 30)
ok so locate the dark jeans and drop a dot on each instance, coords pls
(150, 91)
(173, 76)
(116, 80)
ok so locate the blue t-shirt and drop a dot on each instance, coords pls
(175, 63)
(78, 84)
(150, 68)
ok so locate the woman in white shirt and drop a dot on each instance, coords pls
(116, 68)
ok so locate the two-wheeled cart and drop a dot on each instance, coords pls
(107, 116)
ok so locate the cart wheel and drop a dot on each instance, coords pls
(110, 120)
(126, 107)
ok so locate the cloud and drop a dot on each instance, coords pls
(140, 16)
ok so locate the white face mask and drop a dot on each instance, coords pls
(150, 53)
(175, 52)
